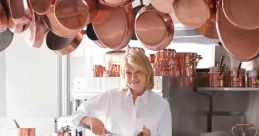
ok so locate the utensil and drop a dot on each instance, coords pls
(242, 13)
(241, 44)
(153, 28)
(17, 125)
(190, 15)
(114, 26)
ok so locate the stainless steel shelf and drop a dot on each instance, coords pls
(224, 89)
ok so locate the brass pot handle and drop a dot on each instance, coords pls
(244, 125)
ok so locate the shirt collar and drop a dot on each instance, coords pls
(143, 97)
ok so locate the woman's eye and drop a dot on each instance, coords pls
(138, 72)
(128, 73)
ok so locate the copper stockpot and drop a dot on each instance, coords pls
(237, 78)
(153, 28)
(61, 45)
(192, 13)
(240, 43)
(67, 17)
(217, 77)
(114, 26)
(242, 13)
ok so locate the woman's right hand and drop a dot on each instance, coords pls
(97, 126)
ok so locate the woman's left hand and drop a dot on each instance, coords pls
(146, 131)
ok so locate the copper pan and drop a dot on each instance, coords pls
(34, 35)
(242, 44)
(209, 28)
(92, 36)
(153, 28)
(135, 12)
(63, 46)
(115, 3)
(3, 19)
(114, 26)
(242, 13)
(191, 13)
(164, 6)
(68, 17)
(6, 38)
(20, 11)
(41, 7)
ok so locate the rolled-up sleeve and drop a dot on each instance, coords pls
(94, 107)
(165, 123)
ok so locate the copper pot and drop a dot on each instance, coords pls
(164, 6)
(153, 28)
(252, 78)
(237, 78)
(217, 77)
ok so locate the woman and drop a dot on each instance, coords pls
(132, 110)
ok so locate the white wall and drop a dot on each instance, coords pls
(31, 85)
(2, 84)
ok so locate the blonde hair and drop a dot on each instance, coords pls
(137, 58)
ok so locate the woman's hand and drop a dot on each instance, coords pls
(97, 126)
(145, 132)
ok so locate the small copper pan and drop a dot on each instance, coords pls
(114, 26)
(41, 7)
(209, 28)
(242, 13)
(115, 3)
(154, 28)
(191, 13)
(242, 44)
(3, 19)
(34, 35)
(164, 6)
(68, 17)
(20, 11)
(63, 46)
(6, 38)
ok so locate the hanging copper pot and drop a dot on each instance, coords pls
(164, 6)
(35, 32)
(20, 11)
(242, 13)
(241, 44)
(209, 28)
(92, 36)
(41, 7)
(153, 28)
(114, 26)
(67, 17)
(61, 45)
(3, 19)
(191, 13)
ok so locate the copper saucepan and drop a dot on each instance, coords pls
(242, 44)
(135, 12)
(153, 28)
(114, 26)
(20, 11)
(41, 7)
(242, 13)
(67, 17)
(164, 6)
(209, 28)
(34, 34)
(63, 46)
(191, 13)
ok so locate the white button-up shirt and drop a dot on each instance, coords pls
(115, 108)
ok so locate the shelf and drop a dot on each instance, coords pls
(225, 89)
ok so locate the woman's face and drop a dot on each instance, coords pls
(135, 79)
